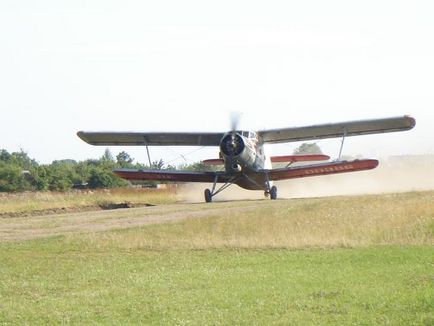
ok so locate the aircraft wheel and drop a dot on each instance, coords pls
(273, 192)
(208, 196)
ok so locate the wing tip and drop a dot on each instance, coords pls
(411, 122)
(82, 136)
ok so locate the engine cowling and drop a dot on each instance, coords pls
(237, 155)
(232, 145)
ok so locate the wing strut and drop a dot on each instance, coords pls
(342, 143)
(147, 151)
(149, 156)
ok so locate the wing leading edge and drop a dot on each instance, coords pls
(333, 130)
(150, 138)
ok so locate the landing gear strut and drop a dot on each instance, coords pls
(271, 191)
(211, 193)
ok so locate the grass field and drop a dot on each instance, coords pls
(364, 260)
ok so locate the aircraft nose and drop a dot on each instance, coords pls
(232, 145)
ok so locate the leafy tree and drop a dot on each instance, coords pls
(308, 148)
(23, 160)
(83, 172)
(39, 178)
(124, 160)
(157, 165)
(12, 178)
(107, 156)
(5, 156)
(18, 172)
(103, 178)
(198, 166)
(66, 162)
(61, 175)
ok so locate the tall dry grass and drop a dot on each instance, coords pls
(395, 219)
(43, 201)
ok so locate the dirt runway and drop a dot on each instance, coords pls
(43, 226)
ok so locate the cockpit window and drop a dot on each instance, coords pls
(248, 134)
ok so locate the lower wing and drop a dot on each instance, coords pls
(173, 176)
(321, 169)
(260, 176)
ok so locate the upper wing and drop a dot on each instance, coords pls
(151, 138)
(321, 169)
(351, 128)
(177, 176)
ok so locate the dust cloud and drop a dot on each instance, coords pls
(396, 174)
(194, 193)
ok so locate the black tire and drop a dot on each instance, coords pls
(273, 193)
(208, 195)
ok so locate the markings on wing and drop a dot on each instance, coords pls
(333, 130)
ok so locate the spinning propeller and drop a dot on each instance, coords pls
(233, 144)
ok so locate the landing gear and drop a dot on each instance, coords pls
(272, 193)
(208, 195)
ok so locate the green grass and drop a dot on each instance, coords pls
(53, 281)
(366, 260)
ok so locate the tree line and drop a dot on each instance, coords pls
(19, 172)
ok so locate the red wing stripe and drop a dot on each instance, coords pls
(322, 169)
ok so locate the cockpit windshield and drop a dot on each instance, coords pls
(248, 134)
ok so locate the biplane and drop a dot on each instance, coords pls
(242, 153)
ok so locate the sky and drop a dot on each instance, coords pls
(172, 66)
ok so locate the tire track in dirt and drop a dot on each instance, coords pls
(44, 226)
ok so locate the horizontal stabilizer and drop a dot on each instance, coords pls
(299, 158)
